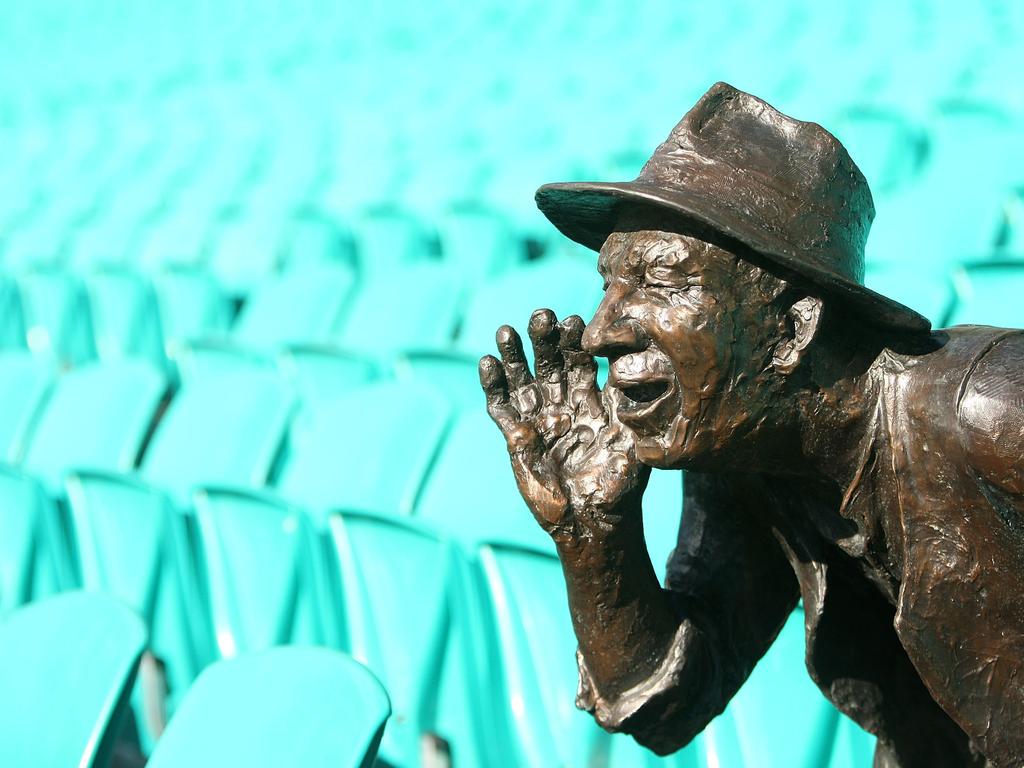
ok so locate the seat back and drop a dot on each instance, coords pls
(286, 706)
(265, 573)
(471, 493)
(414, 308)
(534, 651)
(97, 417)
(25, 382)
(398, 582)
(67, 664)
(368, 449)
(134, 545)
(299, 306)
(225, 427)
(35, 556)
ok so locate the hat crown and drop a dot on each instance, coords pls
(793, 178)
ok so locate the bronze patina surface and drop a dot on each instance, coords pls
(837, 450)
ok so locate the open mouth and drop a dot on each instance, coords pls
(648, 392)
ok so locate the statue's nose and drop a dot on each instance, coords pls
(613, 331)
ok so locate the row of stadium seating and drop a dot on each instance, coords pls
(420, 308)
(434, 546)
(334, 708)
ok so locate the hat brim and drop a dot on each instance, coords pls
(587, 213)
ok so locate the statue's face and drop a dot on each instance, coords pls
(688, 329)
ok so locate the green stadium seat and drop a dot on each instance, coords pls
(210, 358)
(755, 730)
(219, 429)
(989, 294)
(387, 240)
(35, 553)
(178, 240)
(58, 322)
(192, 306)
(245, 250)
(299, 306)
(478, 241)
(536, 677)
(471, 494)
(97, 417)
(25, 383)
(66, 666)
(135, 546)
(265, 570)
(316, 240)
(415, 307)
(34, 245)
(319, 373)
(12, 318)
(454, 374)
(382, 561)
(565, 285)
(368, 449)
(125, 316)
(287, 706)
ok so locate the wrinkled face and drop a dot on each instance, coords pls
(688, 329)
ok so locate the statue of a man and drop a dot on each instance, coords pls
(836, 450)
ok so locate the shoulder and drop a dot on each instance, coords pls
(990, 410)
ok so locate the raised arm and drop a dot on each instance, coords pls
(657, 663)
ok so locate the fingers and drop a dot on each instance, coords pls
(580, 367)
(512, 357)
(543, 330)
(495, 387)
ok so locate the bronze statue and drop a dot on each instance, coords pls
(837, 451)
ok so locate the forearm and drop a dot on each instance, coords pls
(636, 650)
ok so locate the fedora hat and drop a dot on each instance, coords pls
(784, 188)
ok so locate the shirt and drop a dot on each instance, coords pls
(912, 580)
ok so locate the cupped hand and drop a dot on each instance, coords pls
(571, 457)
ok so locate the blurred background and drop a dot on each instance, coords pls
(249, 255)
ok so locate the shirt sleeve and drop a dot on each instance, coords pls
(733, 589)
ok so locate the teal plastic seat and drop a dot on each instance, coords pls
(415, 307)
(266, 575)
(35, 553)
(890, 149)
(368, 449)
(565, 285)
(25, 383)
(989, 294)
(470, 492)
(67, 664)
(178, 240)
(198, 360)
(382, 562)
(97, 417)
(125, 316)
(387, 240)
(316, 240)
(135, 546)
(219, 429)
(755, 730)
(479, 241)
(192, 306)
(534, 653)
(299, 306)
(12, 318)
(58, 322)
(320, 373)
(454, 374)
(245, 250)
(287, 706)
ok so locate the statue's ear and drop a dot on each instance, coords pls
(802, 322)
